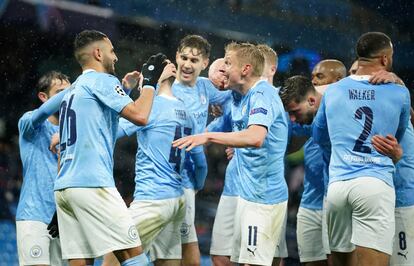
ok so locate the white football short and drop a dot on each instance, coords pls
(310, 235)
(257, 230)
(403, 248)
(158, 223)
(223, 227)
(35, 246)
(93, 222)
(360, 212)
(188, 231)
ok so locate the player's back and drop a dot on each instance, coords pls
(355, 111)
(158, 164)
(262, 167)
(89, 116)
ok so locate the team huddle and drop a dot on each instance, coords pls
(357, 207)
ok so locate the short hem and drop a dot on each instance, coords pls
(167, 258)
(99, 254)
(342, 250)
(313, 259)
(375, 248)
(189, 241)
(220, 253)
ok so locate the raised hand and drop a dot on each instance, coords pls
(152, 69)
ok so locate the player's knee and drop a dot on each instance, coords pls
(190, 261)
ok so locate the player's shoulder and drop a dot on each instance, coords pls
(26, 116)
(95, 76)
(263, 88)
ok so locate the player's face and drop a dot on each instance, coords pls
(322, 76)
(218, 77)
(57, 86)
(301, 113)
(233, 70)
(190, 63)
(109, 57)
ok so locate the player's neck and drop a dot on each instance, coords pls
(368, 69)
(248, 84)
(94, 66)
(165, 89)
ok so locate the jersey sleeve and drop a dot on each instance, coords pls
(215, 96)
(261, 111)
(404, 117)
(25, 126)
(32, 120)
(109, 91)
(126, 128)
(320, 127)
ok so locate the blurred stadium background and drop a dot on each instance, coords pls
(37, 36)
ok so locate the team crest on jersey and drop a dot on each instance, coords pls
(184, 229)
(36, 251)
(133, 233)
(119, 90)
(203, 99)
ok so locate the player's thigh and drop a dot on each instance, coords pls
(103, 219)
(339, 217)
(403, 246)
(373, 205)
(188, 232)
(309, 235)
(261, 226)
(223, 227)
(33, 243)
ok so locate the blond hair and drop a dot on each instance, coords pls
(248, 53)
(269, 54)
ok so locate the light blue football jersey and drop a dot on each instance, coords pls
(351, 111)
(261, 170)
(37, 201)
(313, 181)
(404, 174)
(196, 100)
(88, 122)
(158, 164)
(223, 123)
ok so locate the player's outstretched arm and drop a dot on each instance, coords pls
(388, 146)
(253, 136)
(138, 111)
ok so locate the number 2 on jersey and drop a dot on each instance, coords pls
(67, 115)
(369, 117)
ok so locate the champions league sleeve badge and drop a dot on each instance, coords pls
(120, 91)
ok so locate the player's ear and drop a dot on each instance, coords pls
(311, 100)
(246, 69)
(205, 63)
(97, 53)
(42, 96)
